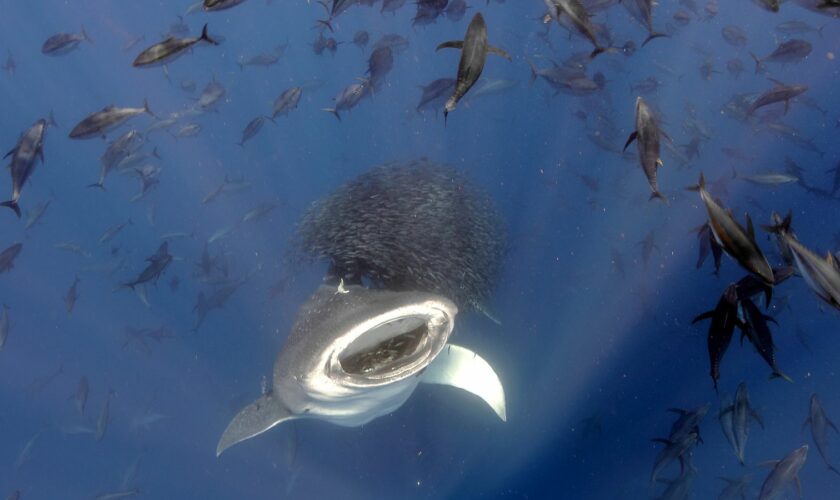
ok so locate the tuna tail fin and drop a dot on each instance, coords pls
(13, 205)
(97, 184)
(833, 469)
(659, 196)
(652, 36)
(778, 374)
(206, 37)
(325, 23)
(85, 35)
(781, 228)
(333, 111)
(701, 184)
(147, 109)
(759, 66)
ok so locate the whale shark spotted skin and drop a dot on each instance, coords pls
(354, 356)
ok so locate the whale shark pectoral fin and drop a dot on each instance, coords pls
(464, 369)
(256, 418)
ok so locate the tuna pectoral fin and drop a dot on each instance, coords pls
(498, 52)
(630, 140)
(256, 418)
(452, 44)
(705, 315)
(464, 369)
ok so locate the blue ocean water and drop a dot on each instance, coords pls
(594, 344)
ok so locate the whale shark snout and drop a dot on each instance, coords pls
(356, 354)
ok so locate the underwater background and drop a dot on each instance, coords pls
(594, 341)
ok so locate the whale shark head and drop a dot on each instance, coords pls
(356, 354)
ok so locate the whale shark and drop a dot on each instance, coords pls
(355, 354)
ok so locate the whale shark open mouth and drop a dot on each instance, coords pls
(380, 352)
(391, 346)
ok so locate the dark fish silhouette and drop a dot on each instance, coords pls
(579, 17)
(28, 150)
(780, 93)
(435, 93)
(170, 49)
(819, 423)
(8, 256)
(736, 417)
(99, 123)
(286, 102)
(64, 43)
(474, 49)
(821, 275)
(350, 97)
(647, 134)
(739, 243)
(785, 474)
(157, 265)
(674, 450)
(755, 328)
(724, 320)
(72, 296)
(790, 51)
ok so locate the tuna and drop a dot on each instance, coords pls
(170, 49)
(736, 241)
(785, 474)
(647, 134)
(740, 413)
(474, 49)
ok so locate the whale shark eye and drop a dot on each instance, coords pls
(385, 348)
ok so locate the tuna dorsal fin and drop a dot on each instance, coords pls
(256, 418)
(831, 424)
(452, 44)
(830, 259)
(750, 228)
(499, 52)
(630, 140)
(768, 463)
(459, 367)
